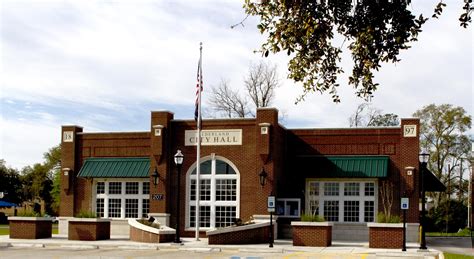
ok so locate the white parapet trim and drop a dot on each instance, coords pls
(384, 225)
(30, 218)
(89, 220)
(312, 224)
(163, 230)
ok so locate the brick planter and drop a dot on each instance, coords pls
(143, 233)
(312, 233)
(256, 233)
(30, 227)
(385, 235)
(88, 229)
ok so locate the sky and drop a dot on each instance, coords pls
(104, 65)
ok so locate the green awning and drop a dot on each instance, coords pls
(123, 167)
(347, 166)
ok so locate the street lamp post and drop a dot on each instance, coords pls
(424, 158)
(178, 160)
(263, 177)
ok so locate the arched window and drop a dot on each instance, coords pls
(218, 195)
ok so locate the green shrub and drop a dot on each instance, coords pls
(86, 214)
(308, 217)
(382, 218)
(148, 223)
(29, 213)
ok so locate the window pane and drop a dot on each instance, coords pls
(369, 211)
(351, 189)
(146, 188)
(131, 208)
(331, 210)
(223, 168)
(314, 188)
(226, 190)
(145, 208)
(131, 188)
(331, 189)
(205, 191)
(369, 189)
(192, 216)
(351, 211)
(192, 190)
(99, 211)
(292, 208)
(204, 219)
(115, 188)
(314, 207)
(225, 216)
(205, 168)
(100, 188)
(115, 208)
(205, 216)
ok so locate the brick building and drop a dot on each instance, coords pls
(336, 173)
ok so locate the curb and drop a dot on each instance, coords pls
(82, 247)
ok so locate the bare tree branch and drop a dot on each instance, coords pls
(228, 102)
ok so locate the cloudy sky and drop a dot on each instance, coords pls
(105, 65)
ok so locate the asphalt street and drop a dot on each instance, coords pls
(457, 245)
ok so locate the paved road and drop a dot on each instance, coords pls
(457, 245)
(110, 253)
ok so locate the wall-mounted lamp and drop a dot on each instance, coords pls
(409, 170)
(263, 177)
(66, 172)
(156, 177)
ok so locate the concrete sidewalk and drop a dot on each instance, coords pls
(281, 247)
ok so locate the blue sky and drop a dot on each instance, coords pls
(105, 65)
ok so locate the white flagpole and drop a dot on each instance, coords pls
(198, 150)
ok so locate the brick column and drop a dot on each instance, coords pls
(266, 118)
(409, 151)
(160, 138)
(69, 161)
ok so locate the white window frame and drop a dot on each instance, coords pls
(341, 198)
(212, 203)
(285, 200)
(122, 196)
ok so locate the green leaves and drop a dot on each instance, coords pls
(376, 32)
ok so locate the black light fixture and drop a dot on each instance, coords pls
(178, 160)
(156, 177)
(424, 158)
(263, 177)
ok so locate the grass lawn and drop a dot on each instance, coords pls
(5, 230)
(464, 233)
(456, 256)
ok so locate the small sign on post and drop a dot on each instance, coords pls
(271, 204)
(404, 203)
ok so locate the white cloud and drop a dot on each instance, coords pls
(98, 64)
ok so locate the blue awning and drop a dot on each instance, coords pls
(6, 204)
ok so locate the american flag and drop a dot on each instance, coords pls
(198, 91)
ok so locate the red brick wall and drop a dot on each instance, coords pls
(403, 152)
(380, 237)
(312, 235)
(88, 231)
(249, 236)
(274, 152)
(29, 229)
(139, 235)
